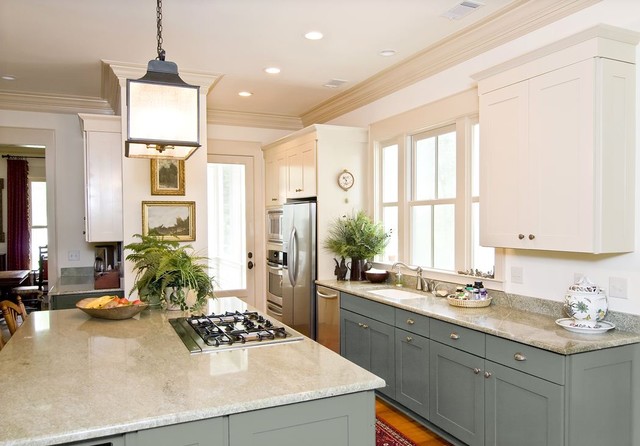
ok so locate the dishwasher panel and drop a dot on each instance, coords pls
(328, 318)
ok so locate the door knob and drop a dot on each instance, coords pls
(250, 264)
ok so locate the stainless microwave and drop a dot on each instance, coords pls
(274, 225)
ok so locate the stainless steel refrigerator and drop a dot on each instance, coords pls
(299, 272)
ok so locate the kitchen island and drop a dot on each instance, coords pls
(72, 378)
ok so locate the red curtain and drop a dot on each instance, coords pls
(18, 234)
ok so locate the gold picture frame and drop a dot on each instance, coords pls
(167, 177)
(170, 220)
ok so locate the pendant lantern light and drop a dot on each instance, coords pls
(163, 111)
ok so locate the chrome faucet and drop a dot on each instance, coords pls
(421, 283)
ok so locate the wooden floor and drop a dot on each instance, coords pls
(414, 431)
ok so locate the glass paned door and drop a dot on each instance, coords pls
(230, 224)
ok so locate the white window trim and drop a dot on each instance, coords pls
(460, 110)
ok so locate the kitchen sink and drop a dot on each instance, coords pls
(396, 294)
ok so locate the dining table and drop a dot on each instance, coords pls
(10, 279)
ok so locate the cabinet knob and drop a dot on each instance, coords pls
(476, 370)
(298, 190)
(454, 336)
(520, 236)
(365, 326)
(409, 339)
(274, 199)
(410, 321)
(519, 357)
(487, 374)
(531, 236)
(360, 324)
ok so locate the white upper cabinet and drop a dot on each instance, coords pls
(301, 170)
(103, 178)
(557, 151)
(275, 162)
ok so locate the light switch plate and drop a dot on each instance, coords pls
(73, 255)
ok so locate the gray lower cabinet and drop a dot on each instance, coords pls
(210, 432)
(339, 421)
(412, 371)
(370, 344)
(457, 393)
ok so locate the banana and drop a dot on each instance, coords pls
(100, 302)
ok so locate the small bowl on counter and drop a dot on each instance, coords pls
(376, 275)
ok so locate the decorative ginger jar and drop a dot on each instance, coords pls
(586, 302)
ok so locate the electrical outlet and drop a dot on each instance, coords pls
(618, 287)
(73, 256)
(516, 274)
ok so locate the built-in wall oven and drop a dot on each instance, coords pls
(275, 267)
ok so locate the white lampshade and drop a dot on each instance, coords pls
(163, 114)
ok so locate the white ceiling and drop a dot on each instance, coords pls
(55, 47)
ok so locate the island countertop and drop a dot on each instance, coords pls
(506, 321)
(70, 377)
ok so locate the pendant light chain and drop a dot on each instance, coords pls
(161, 52)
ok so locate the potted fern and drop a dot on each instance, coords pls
(169, 275)
(358, 238)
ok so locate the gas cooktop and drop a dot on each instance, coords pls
(230, 330)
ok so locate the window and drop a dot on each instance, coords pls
(38, 219)
(429, 199)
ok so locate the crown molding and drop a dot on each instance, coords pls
(513, 21)
(46, 103)
(259, 120)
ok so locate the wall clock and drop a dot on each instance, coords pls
(345, 179)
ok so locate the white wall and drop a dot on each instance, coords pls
(546, 274)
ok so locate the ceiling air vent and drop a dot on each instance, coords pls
(462, 9)
(335, 83)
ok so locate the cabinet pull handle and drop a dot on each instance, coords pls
(274, 199)
(298, 190)
(531, 236)
(454, 336)
(365, 326)
(360, 324)
(487, 374)
(476, 370)
(521, 236)
(519, 357)
(410, 321)
(409, 339)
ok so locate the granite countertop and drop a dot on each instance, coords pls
(505, 321)
(85, 378)
(78, 285)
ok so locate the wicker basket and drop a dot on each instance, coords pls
(468, 303)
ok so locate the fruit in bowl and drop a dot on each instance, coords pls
(111, 307)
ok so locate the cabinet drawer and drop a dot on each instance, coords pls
(413, 322)
(534, 361)
(459, 337)
(374, 310)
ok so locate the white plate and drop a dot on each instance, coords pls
(576, 327)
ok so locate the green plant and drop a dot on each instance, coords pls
(162, 265)
(357, 237)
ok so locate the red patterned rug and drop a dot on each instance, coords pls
(388, 436)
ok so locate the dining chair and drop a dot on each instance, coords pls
(32, 295)
(11, 311)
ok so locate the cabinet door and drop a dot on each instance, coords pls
(561, 161)
(456, 399)
(103, 183)
(301, 170)
(522, 409)
(211, 432)
(504, 166)
(412, 371)
(275, 178)
(369, 344)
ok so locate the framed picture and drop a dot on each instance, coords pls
(167, 177)
(171, 220)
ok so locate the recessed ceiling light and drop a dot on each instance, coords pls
(8, 77)
(313, 35)
(387, 53)
(245, 94)
(272, 70)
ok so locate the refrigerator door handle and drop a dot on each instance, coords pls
(293, 255)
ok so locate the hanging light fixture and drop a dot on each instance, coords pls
(163, 111)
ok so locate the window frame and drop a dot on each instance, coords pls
(463, 123)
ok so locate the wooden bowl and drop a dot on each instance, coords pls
(376, 276)
(115, 313)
